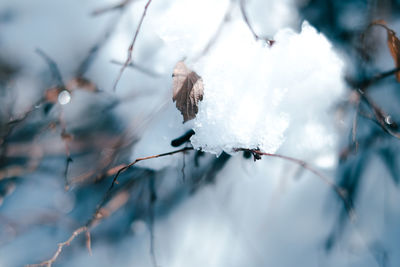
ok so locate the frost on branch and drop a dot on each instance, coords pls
(253, 93)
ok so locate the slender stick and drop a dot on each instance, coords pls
(61, 246)
(86, 228)
(124, 168)
(131, 46)
(339, 191)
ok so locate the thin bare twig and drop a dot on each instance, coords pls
(137, 67)
(339, 191)
(66, 138)
(114, 181)
(86, 228)
(217, 33)
(89, 242)
(131, 46)
(355, 126)
(383, 75)
(61, 246)
(256, 153)
(118, 6)
(246, 18)
(93, 52)
(382, 118)
(183, 168)
(152, 200)
(364, 84)
(55, 71)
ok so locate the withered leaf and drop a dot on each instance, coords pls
(393, 44)
(187, 90)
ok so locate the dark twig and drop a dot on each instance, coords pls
(54, 70)
(93, 52)
(86, 228)
(131, 46)
(114, 181)
(355, 126)
(152, 200)
(246, 18)
(383, 75)
(382, 118)
(137, 67)
(339, 191)
(183, 168)
(364, 84)
(118, 6)
(96, 215)
(22, 117)
(242, 4)
(218, 32)
(66, 137)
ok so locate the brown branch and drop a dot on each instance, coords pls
(61, 246)
(97, 214)
(86, 228)
(137, 67)
(257, 155)
(131, 46)
(339, 191)
(383, 119)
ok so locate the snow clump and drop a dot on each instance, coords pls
(253, 93)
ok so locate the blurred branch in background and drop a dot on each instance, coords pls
(43, 144)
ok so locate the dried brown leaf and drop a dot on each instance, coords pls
(393, 44)
(187, 90)
(394, 47)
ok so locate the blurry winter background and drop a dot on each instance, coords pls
(307, 79)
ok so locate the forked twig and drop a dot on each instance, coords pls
(97, 216)
(86, 228)
(121, 170)
(383, 119)
(76, 233)
(131, 46)
(137, 67)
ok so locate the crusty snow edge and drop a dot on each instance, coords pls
(253, 93)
